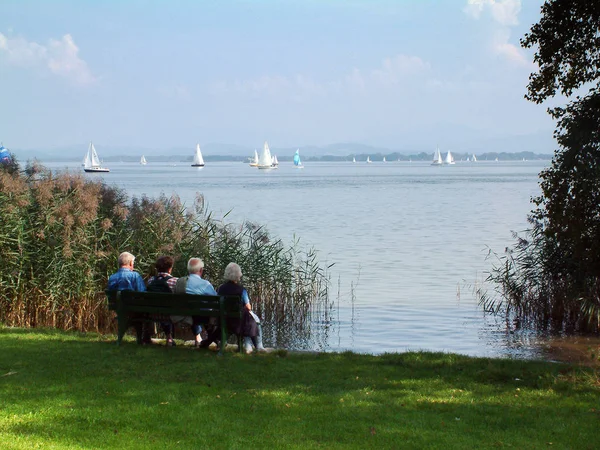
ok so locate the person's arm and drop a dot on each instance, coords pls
(210, 290)
(246, 300)
(140, 285)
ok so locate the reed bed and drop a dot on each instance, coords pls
(60, 235)
(532, 289)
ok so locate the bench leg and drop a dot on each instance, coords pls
(223, 335)
(122, 323)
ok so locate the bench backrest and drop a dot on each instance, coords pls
(175, 304)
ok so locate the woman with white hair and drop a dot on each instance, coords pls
(249, 327)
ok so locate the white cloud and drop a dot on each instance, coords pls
(504, 48)
(60, 57)
(175, 92)
(505, 12)
(393, 71)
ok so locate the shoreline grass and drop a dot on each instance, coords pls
(79, 390)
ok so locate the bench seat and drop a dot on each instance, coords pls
(133, 307)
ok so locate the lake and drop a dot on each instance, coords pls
(409, 241)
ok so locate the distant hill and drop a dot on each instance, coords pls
(535, 146)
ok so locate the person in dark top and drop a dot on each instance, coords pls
(249, 327)
(163, 281)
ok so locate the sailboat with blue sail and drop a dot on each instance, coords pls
(297, 162)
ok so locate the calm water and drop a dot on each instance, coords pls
(409, 241)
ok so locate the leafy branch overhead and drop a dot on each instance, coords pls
(551, 277)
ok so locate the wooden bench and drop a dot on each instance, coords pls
(134, 307)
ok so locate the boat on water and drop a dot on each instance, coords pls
(198, 160)
(254, 161)
(369, 160)
(384, 159)
(353, 159)
(143, 161)
(274, 162)
(265, 161)
(91, 162)
(474, 159)
(437, 158)
(297, 161)
(449, 159)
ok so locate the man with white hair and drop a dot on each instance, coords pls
(126, 279)
(195, 284)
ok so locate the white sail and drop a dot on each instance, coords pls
(91, 162)
(265, 161)
(94, 159)
(384, 159)
(449, 158)
(274, 161)
(437, 158)
(368, 159)
(474, 159)
(254, 161)
(143, 161)
(198, 160)
(468, 159)
(353, 159)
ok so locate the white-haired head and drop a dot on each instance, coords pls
(126, 259)
(195, 265)
(233, 272)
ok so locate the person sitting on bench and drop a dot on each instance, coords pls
(164, 282)
(126, 279)
(195, 284)
(249, 327)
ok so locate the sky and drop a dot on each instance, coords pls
(403, 74)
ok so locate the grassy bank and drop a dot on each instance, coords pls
(70, 390)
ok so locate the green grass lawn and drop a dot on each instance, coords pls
(68, 390)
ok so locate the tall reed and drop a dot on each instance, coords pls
(60, 235)
(532, 292)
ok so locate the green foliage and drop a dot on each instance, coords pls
(60, 236)
(104, 396)
(551, 277)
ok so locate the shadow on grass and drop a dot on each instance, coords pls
(85, 391)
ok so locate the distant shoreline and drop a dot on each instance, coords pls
(360, 157)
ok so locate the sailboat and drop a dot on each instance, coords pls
(369, 160)
(474, 159)
(449, 159)
(297, 162)
(143, 161)
(384, 159)
(198, 160)
(274, 161)
(254, 162)
(91, 162)
(265, 161)
(437, 158)
(353, 159)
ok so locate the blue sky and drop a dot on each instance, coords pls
(407, 75)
